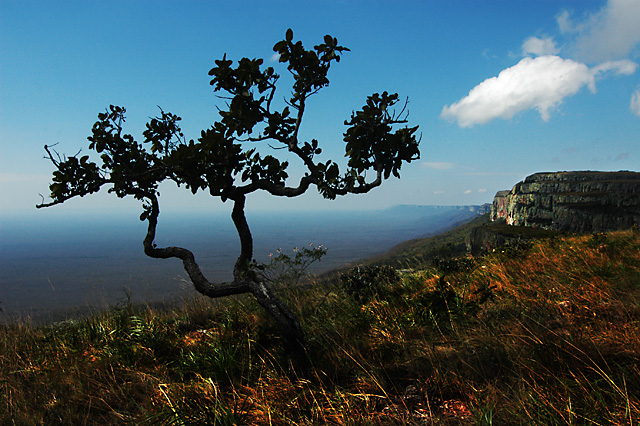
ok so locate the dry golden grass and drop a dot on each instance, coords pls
(547, 334)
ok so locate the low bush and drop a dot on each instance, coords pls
(365, 282)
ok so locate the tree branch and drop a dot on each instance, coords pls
(201, 284)
(279, 190)
(246, 240)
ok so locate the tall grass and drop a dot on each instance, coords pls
(542, 334)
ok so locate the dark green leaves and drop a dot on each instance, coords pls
(371, 141)
(268, 169)
(219, 162)
(330, 50)
(210, 163)
(310, 149)
(280, 126)
(75, 177)
(163, 133)
(308, 67)
(106, 132)
(242, 79)
(243, 114)
(250, 89)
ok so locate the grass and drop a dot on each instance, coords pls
(547, 333)
(419, 252)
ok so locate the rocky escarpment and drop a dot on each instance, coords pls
(583, 201)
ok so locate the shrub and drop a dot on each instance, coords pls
(366, 282)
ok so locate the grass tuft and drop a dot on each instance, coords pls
(547, 333)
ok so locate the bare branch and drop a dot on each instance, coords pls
(50, 156)
(53, 203)
(276, 147)
(282, 190)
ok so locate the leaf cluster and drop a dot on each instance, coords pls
(308, 67)
(371, 142)
(220, 163)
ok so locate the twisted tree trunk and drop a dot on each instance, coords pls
(246, 279)
(263, 291)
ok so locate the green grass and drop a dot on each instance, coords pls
(419, 252)
(545, 334)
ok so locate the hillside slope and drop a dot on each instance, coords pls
(544, 333)
(421, 251)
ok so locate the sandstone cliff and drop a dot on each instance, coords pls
(582, 201)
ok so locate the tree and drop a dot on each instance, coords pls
(219, 163)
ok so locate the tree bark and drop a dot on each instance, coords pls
(200, 282)
(246, 279)
(264, 293)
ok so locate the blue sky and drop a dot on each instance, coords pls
(500, 89)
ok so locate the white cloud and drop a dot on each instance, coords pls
(621, 67)
(542, 80)
(438, 165)
(482, 190)
(541, 83)
(565, 25)
(610, 33)
(468, 191)
(635, 103)
(539, 46)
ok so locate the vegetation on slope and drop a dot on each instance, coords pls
(419, 252)
(545, 333)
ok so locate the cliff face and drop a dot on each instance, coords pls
(572, 201)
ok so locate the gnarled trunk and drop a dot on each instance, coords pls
(246, 279)
(263, 291)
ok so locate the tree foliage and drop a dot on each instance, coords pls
(220, 162)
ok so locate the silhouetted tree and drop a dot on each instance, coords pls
(219, 163)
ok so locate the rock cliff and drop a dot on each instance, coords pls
(581, 201)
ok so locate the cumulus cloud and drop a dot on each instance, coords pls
(541, 83)
(543, 79)
(635, 103)
(539, 46)
(610, 33)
